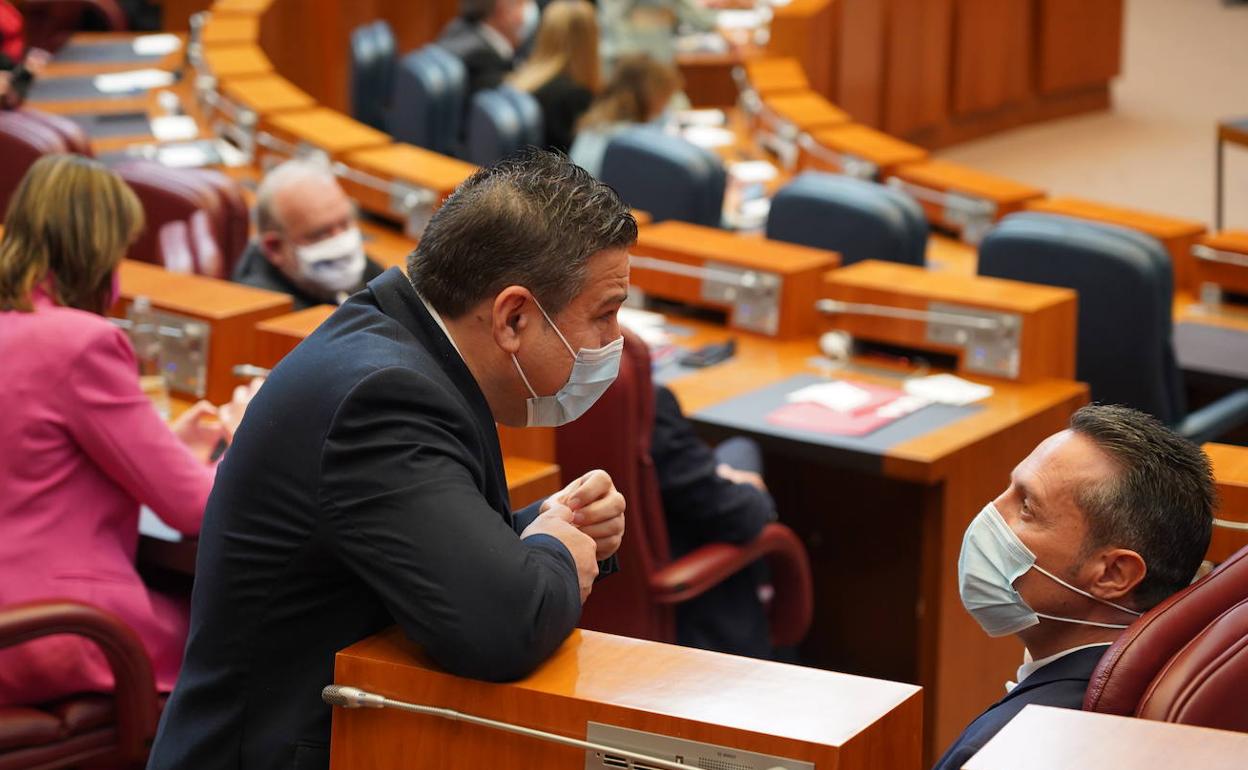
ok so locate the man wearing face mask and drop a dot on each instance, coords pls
(307, 243)
(365, 486)
(1099, 524)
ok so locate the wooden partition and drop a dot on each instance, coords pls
(827, 719)
(1230, 525)
(799, 270)
(805, 30)
(1222, 259)
(230, 310)
(1046, 315)
(1005, 196)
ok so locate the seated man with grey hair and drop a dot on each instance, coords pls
(1099, 524)
(307, 244)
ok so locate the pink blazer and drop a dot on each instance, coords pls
(80, 448)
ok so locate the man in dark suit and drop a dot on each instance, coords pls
(365, 485)
(1100, 523)
(485, 36)
(307, 242)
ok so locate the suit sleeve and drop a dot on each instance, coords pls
(402, 492)
(117, 426)
(696, 499)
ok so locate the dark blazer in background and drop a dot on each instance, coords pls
(486, 69)
(563, 102)
(364, 488)
(255, 269)
(1061, 684)
(703, 507)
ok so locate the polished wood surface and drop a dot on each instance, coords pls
(224, 28)
(1046, 738)
(800, 269)
(1047, 314)
(321, 129)
(805, 30)
(806, 110)
(265, 93)
(1230, 526)
(942, 175)
(1231, 275)
(992, 54)
(231, 311)
(225, 60)
(1079, 44)
(1177, 235)
(776, 75)
(58, 69)
(832, 720)
(917, 53)
(407, 164)
(864, 143)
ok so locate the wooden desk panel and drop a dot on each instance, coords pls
(1230, 472)
(991, 54)
(59, 69)
(800, 268)
(227, 29)
(227, 60)
(776, 75)
(406, 164)
(265, 93)
(941, 175)
(807, 111)
(832, 720)
(886, 153)
(1045, 738)
(1079, 44)
(917, 67)
(1229, 268)
(806, 30)
(321, 129)
(1177, 235)
(231, 310)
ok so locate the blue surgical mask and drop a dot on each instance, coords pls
(992, 558)
(593, 371)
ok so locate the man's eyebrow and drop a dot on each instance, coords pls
(613, 299)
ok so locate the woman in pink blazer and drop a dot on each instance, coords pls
(81, 446)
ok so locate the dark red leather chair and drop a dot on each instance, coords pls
(97, 731)
(640, 600)
(190, 246)
(75, 138)
(174, 195)
(49, 23)
(24, 139)
(1185, 660)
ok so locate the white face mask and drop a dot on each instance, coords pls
(992, 558)
(593, 371)
(335, 263)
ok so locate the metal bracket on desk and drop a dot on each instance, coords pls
(195, 38)
(850, 165)
(184, 345)
(302, 150)
(973, 215)
(753, 295)
(1209, 254)
(412, 202)
(234, 122)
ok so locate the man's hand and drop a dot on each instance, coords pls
(598, 509)
(556, 520)
(737, 476)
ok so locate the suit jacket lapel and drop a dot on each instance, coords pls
(1077, 666)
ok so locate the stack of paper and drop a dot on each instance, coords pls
(947, 389)
(132, 80)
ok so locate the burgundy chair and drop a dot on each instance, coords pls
(49, 23)
(174, 195)
(640, 600)
(1185, 660)
(75, 138)
(24, 139)
(94, 730)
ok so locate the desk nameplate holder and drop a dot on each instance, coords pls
(184, 345)
(677, 750)
(972, 215)
(1219, 271)
(753, 295)
(412, 203)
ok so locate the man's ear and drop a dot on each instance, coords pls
(511, 313)
(1121, 571)
(271, 245)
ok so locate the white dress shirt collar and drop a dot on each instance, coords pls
(441, 324)
(1030, 666)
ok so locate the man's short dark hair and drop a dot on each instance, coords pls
(474, 11)
(1159, 504)
(532, 220)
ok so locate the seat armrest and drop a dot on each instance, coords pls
(1212, 421)
(703, 568)
(135, 686)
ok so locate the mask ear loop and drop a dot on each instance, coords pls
(1116, 626)
(562, 339)
(1082, 592)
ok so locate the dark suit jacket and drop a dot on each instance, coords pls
(254, 269)
(486, 69)
(563, 102)
(1062, 684)
(364, 488)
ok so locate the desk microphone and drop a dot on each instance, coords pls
(348, 697)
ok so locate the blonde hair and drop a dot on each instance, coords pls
(567, 44)
(70, 222)
(637, 86)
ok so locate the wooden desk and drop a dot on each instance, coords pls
(1044, 738)
(1223, 260)
(884, 529)
(265, 93)
(1230, 524)
(226, 60)
(806, 111)
(231, 29)
(854, 144)
(776, 75)
(57, 69)
(799, 269)
(231, 310)
(832, 720)
(319, 129)
(1005, 196)
(405, 165)
(1177, 235)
